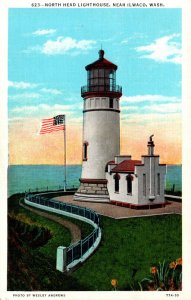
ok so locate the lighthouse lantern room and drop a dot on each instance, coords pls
(101, 128)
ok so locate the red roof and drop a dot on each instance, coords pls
(101, 63)
(127, 166)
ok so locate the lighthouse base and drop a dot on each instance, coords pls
(92, 190)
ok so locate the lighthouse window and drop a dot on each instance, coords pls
(110, 102)
(85, 151)
(129, 184)
(112, 80)
(101, 72)
(95, 73)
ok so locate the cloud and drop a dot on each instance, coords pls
(41, 32)
(168, 108)
(25, 109)
(148, 98)
(150, 103)
(164, 49)
(32, 49)
(44, 108)
(27, 85)
(63, 45)
(125, 41)
(150, 118)
(51, 91)
(130, 108)
(16, 119)
(21, 85)
(25, 96)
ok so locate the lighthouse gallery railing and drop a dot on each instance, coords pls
(101, 88)
(74, 252)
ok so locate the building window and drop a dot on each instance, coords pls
(116, 179)
(110, 102)
(129, 184)
(144, 184)
(158, 183)
(116, 184)
(85, 151)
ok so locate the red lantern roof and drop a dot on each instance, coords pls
(101, 63)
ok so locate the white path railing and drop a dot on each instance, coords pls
(69, 257)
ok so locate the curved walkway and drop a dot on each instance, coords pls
(119, 212)
(74, 229)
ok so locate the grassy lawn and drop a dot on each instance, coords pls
(127, 251)
(129, 248)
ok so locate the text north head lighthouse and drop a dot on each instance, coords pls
(101, 128)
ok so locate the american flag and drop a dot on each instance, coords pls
(52, 124)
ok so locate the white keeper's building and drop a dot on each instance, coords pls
(137, 183)
(107, 176)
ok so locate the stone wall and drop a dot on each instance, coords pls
(93, 189)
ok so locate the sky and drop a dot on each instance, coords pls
(48, 52)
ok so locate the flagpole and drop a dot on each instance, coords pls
(64, 152)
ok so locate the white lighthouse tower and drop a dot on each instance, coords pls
(101, 128)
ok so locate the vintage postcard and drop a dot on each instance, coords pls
(95, 132)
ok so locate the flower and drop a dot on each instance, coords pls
(179, 261)
(153, 270)
(114, 282)
(172, 265)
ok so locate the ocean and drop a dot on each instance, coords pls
(23, 178)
